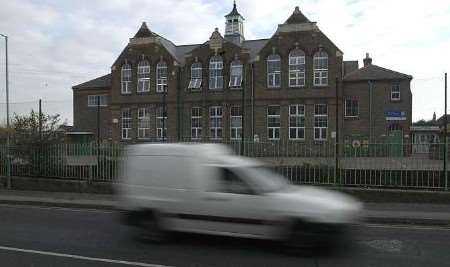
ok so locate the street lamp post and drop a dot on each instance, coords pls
(8, 169)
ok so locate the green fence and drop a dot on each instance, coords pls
(368, 165)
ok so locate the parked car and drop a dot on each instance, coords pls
(203, 188)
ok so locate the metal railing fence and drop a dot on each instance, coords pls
(409, 166)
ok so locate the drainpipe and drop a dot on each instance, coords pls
(253, 99)
(370, 111)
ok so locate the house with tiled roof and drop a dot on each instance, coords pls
(292, 86)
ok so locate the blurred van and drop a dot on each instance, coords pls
(203, 188)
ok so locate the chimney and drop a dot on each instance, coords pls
(367, 61)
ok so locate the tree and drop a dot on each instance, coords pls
(27, 129)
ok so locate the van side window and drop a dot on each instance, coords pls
(229, 182)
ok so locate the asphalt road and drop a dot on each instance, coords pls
(37, 236)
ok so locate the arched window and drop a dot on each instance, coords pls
(143, 73)
(216, 73)
(236, 70)
(125, 78)
(321, 68)
(161, 77)
(297, 68)
(196, 76)
(274, 71)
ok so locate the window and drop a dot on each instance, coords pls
(215, 122)
(395, 92)
(236, 122)
(126, 123)
(161, 77)
(143, 75)
(161, 123)
(321, 68)
(143, 123)
(297, 122)
(230, 182)
(236, 70)
(274, 71)
(320, 122)
(216, 73)
(351, 107)
(273, 122)
(196, 122)
(196, 76)
(297, 68)
(100, 100)
(125, 77)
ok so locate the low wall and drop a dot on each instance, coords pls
(364, 194)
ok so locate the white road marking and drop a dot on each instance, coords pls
(47, 253)
(56, 208)
(418, 227)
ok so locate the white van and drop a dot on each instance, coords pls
(203, 188)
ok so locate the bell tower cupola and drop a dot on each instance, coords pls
(234, 26)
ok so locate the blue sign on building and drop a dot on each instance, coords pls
(395, 115)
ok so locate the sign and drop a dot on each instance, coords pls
(395, 115)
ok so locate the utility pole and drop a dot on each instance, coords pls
(40, 119)
(445, 136)
(8, 164)
(336, 139)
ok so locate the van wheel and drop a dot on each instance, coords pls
(151, 230)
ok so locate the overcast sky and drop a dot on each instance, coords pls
(54, 45)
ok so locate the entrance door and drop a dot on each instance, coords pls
(394, 141)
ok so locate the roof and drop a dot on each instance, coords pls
(254, 46)
(103, 82)
(143, 31)
(233, 12)
(297, 17)
(374, 72)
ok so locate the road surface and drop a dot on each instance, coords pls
(40, 236)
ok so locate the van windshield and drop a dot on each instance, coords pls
(264, 180)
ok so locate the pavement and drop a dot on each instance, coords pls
(382, 213)
(47, 236)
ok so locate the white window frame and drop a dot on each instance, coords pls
(395, 92)
(195, 83)
(297, 67)
(143, 123)
(143, 75)
(92, 100)
(216, 122)
(352, 108)
(273, 132)
(125, 79)
(126, 122)
(235, 122)
(320, 62)
(161, 77)
(297, 121)
(274, 72)
(320, 123)
(216, 73)
(196, 123)
(161, 134)
(236, 74)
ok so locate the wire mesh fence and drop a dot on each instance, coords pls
(369, 165)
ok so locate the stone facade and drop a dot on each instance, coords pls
(254, 96)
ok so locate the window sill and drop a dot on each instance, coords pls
(396, 100)
(296, 87)
(321, 86)
(143, 93)
(351, 117)
(192, 90)
(273, 88)
(297, 140)
(125, 93)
